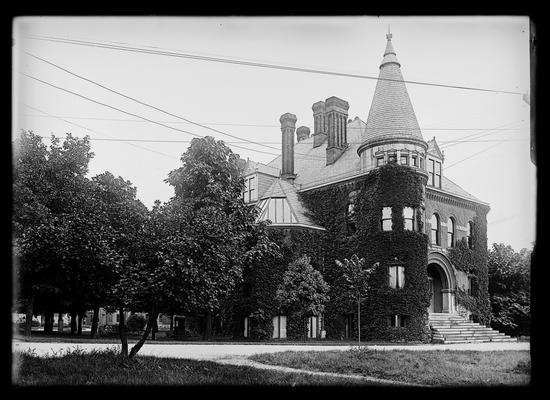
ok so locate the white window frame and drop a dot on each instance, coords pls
(396, 276)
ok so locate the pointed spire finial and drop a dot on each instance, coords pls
(389, 35)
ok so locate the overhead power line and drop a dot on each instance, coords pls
(270, 125)
(473, 155)
(109, 138)
(150, 105)
(147, 119)
(250, 63)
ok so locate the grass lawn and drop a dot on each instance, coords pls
(438, 368)
(104, 368)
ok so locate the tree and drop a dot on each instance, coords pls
(509, 289)
(217, 234)
(356, 278)
(303, 291)
(48, 189)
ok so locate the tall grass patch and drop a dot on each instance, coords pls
(438, 368)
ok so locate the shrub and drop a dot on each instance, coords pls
(136, 323)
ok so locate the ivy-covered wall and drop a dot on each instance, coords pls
(256, 296)
(474, 262)
(391, 185)
(397, 187)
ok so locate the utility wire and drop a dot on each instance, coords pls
(252, 64)
(146, 119)
(273, 126)
(109, 138)
(129, 113)
(473, 155)
(147, 104)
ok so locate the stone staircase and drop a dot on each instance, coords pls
(453, 328)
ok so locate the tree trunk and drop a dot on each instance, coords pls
(79, 326)
(95, 321)
(28, 317)
(359, 320)
(150, 323)
(122, 333)
(60, 322)
(155, 329)
(48, 322)
(73, 322)
(207, 326)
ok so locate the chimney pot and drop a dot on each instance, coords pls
(302, 133)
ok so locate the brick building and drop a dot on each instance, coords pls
(342, 150)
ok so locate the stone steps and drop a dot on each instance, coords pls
(452, 328)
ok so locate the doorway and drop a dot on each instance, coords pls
(437, 283)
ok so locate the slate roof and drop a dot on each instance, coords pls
(391, 113)
(253, 166)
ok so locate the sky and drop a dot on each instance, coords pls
(129, 140)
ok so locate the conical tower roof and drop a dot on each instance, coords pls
(391, 113)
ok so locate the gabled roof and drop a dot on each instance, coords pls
(281, 189)
(252, 167)
(391, 113)
(434, 149)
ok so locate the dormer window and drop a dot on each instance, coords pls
(404, 159)
(392, 158)
(434, 173)
(379, 161)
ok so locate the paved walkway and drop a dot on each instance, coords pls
(224, 351)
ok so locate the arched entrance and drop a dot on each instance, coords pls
(440, 290)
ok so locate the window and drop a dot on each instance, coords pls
(397, 321)
(470, 234)
(279, 327)
(435, 229)
(437, 175)
(431, 171)
(379, 161)
(409, 218)
(421, 162)
(386, 218)
(451, 232)
(414, 161)
(250, 193)
(396, 274)
(350, 214)
(392, 158)
(404, 160)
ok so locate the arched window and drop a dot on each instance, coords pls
(470, 234)
(435, 229)
(451, 232)
(386, 218)
(409, 218)
(350, 213)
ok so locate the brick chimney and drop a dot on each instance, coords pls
(319, 123)
(336, 112)
(302, 133)
(288, 125)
